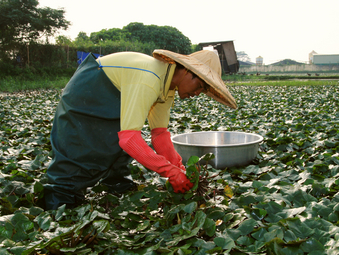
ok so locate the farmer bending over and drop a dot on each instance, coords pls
(97, 125)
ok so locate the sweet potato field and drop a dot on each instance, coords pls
(285, 202)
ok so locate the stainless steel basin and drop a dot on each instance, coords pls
(230, 148)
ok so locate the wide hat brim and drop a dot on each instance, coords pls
(211, 76)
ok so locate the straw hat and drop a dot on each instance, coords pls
(206, 65)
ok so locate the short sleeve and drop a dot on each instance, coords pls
(136, 102)
(159, 114)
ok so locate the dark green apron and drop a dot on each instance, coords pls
(84, 138)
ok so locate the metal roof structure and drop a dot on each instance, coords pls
(227, 55)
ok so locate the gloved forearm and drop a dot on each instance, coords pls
(132, 142)
(161, 141)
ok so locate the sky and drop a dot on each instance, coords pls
(272, 29)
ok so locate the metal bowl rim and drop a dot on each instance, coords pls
(218, 145)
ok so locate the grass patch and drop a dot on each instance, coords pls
(16, 84)
(36, 82)
(282, 77)
(286, 83)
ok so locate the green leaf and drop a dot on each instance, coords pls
(14, 200)
(275, 246)
(200, 218)
(247, 226)
(44, 221)
(290, 250)
(258, 214)
(143, 225)
(224, 243)
(207, 157)
(192, 160)
(289, 236)
(300, 229)
(19, 236)
(177, 208)
(6, 232)
(137, 196)
(83, 210)
(17, 250)
(38, 187)
(312, 245)
(233, 233)
(209, 227)
(193, 175)
(273, 234)
(60, 212)
(245, 241)
(22, 222)
(191, 207)
(166, 235)
(259, 234)
(101, 225)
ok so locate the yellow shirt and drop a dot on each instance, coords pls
(144, 85)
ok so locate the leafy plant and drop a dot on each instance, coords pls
(284, 202)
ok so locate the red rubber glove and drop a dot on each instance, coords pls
(161, 141)
(132, 142)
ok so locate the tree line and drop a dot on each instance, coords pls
(26, 29)
(162, 37)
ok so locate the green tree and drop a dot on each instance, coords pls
(196, 47)
(82, 37)
(137, 32)
(164, 37)
(242, 56)
(23, 21)
(113, 34)
(63, 40)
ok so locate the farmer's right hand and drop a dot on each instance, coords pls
(132, 142)
(178, 180)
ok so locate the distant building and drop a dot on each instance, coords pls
(310, 57)
(259, 61)
(325, 59)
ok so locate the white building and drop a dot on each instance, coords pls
(323, 59)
